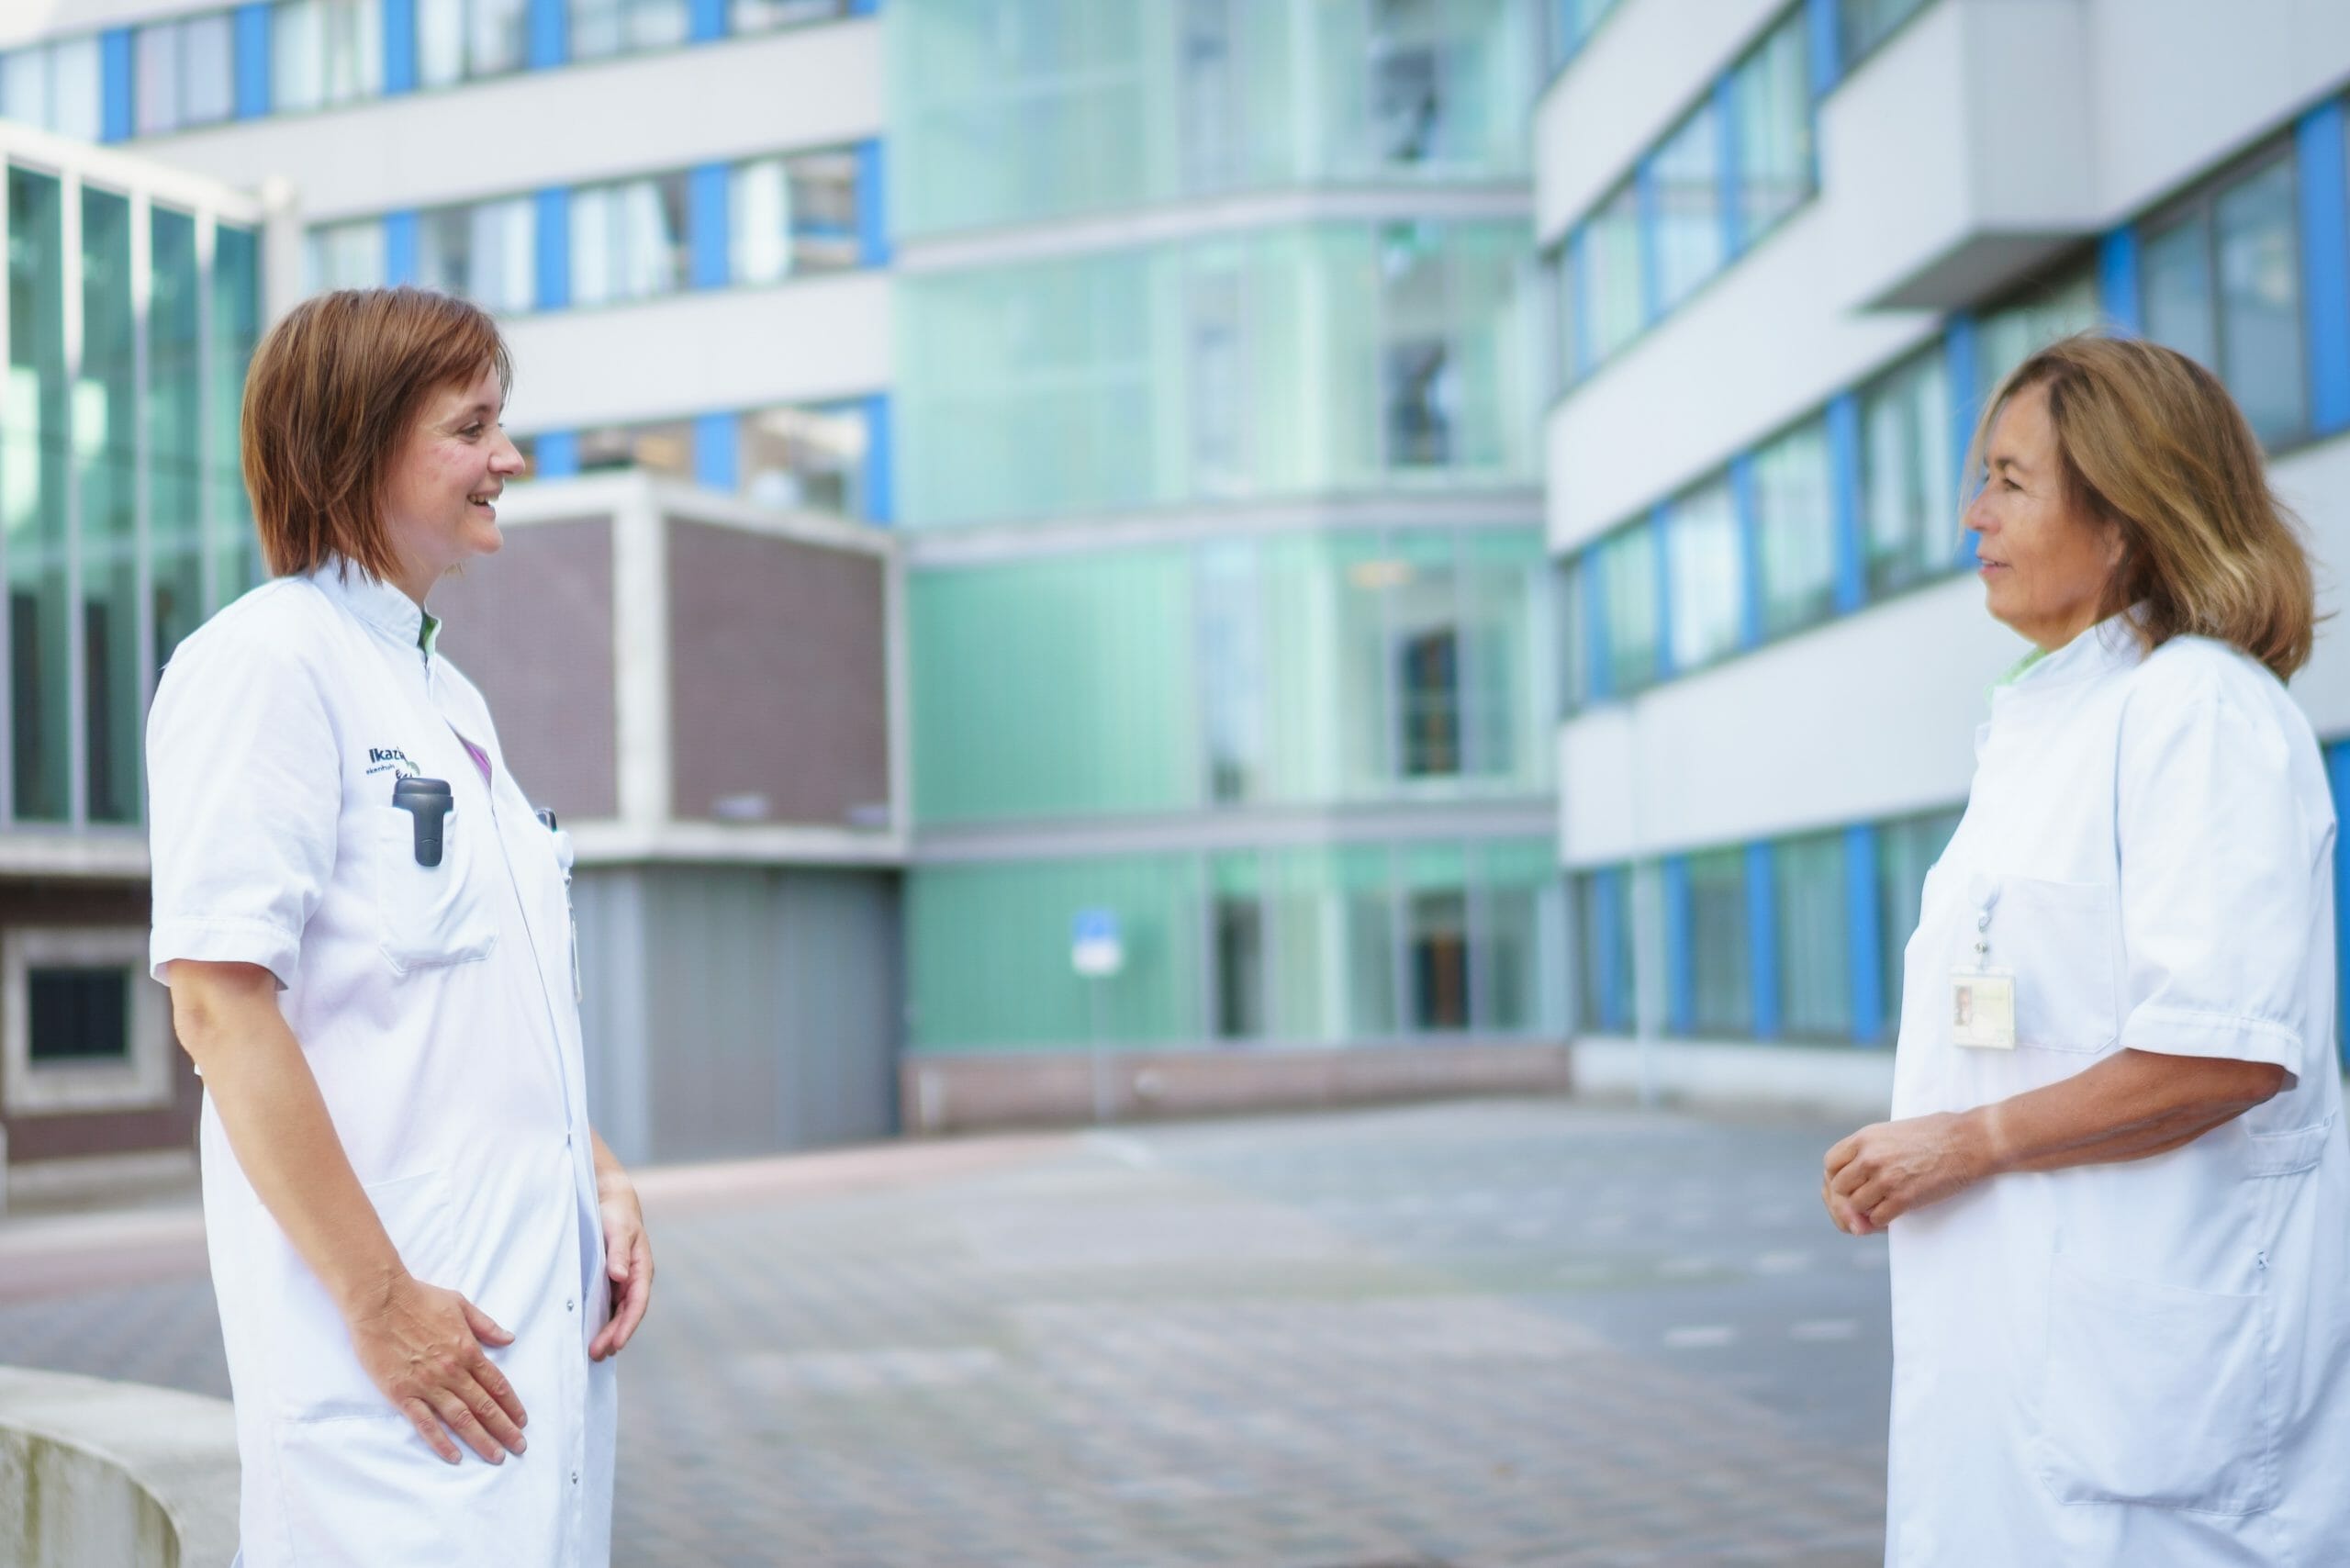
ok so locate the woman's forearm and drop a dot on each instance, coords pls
(2132, 1105)
(268, 1100)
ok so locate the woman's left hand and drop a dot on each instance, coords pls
(628, 1255)
(1883, 1172)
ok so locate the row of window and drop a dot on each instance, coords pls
(1322, 945)
(1856, 26)
(275, 56)
(761, 221)
(828, 457)
(1858, 499)
(1793, 938)
(1722, 178)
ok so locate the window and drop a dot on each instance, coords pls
(763, 16)
(106, 466)
(806, 458)
(1906, 490)
(463, 40)
(1627, 566)
(1721, 952)
(794, 215)
(1602, 952)
(347, 255)
(2006, 337)
(57, 86)
(36, 442)
(628, 240)
(185, 72)
(1232, 670)
(1861, 25)
(1440, 960)
(325, 51)
(1572, 23)
(1795, 528)
(1687, 175)
(1815, 939)
(486, 253)
(1905, 851)
(1771, 99)
(618, 26)
(81, 1027)
(1420, 384)
(2223, 285)
(1575, 636)
(1238, 915)
(666, 448)
(1612, 297)
(1703, 560)
(1428, 687)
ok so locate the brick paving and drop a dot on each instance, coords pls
(1516, 1334)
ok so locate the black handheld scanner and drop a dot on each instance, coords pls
(429, 802)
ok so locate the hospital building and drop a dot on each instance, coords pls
(1430, 524)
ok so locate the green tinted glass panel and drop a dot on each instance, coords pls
(106, 461)
(236, 333)
(1053, 688)
(34, 442)
(1288, 363)
(1815, 946)
(1721, 947)
(1907, 850)
(1020, 111)
(990, 953)
(175, 430)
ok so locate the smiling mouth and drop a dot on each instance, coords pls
(487, 503)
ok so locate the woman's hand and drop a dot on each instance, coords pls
(628, 1255)
(421, 1345)
(1885, 1171)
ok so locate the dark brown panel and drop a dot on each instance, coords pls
(50, 904)
(779, 675)
(532, 627)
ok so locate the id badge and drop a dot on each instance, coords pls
(1983, 1009)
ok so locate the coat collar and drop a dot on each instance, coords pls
(2111, 644)
(377, 603)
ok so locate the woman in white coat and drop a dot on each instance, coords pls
(419, 1245)
(2116, 1186)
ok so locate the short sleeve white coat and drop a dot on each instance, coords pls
(436, 1008)
(2142, 1362)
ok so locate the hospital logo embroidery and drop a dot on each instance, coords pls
(389, 759)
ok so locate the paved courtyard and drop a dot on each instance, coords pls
(1507, 1333)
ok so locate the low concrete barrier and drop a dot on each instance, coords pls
(114, 1473)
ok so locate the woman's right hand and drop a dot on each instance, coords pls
(421, 1346)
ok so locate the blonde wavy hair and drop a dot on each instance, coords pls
(2150, 440)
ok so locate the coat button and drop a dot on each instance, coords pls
(568, 1303)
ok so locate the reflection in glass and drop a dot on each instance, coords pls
(1905, 851)
(2006, 338)
(1238, 916)
(460, 41)
(1907, 493)
(788, 216)
(33, 427)
(1770, 97)
(663, 446)
(1795, 528)
(175, 431)
(1688, 173)
(1408, 85)
(1440, 961)
(325, 51)
(236, 333)
(1627, 563)
(2177, 269)
(1612, 292)
(1232, 670)
(616, 26)
(628, 240)
(763, 16)
(806, 458)
(1720, 954)
(346, 255)
(486, 252)
(1815, 945)
(1704, 567)
(106, 458)
(1603, 951)
(2260, 301)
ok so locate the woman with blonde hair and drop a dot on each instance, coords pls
(420, 1245)
(2115, 1184)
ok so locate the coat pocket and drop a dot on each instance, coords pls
(321, 1378)
(2155, 1394)
(431, 916)
(2063, 942)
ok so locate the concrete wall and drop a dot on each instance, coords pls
(97, 1474)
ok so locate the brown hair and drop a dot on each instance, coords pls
(332, 393)
(2150, 440)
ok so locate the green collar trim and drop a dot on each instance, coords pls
(428, 632)
(2022, 665)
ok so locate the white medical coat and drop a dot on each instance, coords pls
(2140, 1363)
(436, 1008)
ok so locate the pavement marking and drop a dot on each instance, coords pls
(1785, 1262)
(1821, 1330)
(1701, 1337)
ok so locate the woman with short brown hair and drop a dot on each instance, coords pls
(417, 1239)
(2117, 1191)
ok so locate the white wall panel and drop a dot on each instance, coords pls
(1648, 63)
(798, 88)
(733, 348)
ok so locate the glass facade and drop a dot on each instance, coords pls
(629, 240)
(792, 215)
(1016, 111)
(1625, 567)
(1861, 25)
(1291, 669)
(463, 40)
(1908, 485)
(486, 251)
(809, 457)
(1795, 528)
(1907, 850)
(57, 85)
(183, 72)
(1705, 568)
(345, 255)
(2012, 332)
(599, 28)
(1815, 949)
(1719, 947)
(324, 52)
(2223, 285)
(105, 566)
(1283, 363)
(1315, 945)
